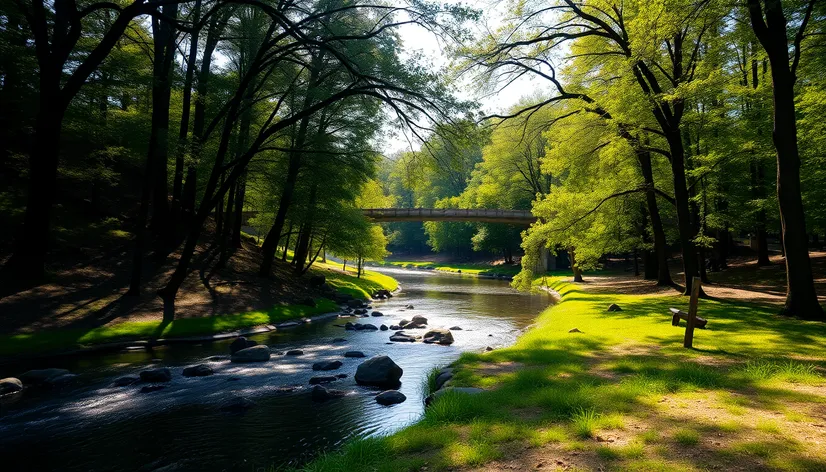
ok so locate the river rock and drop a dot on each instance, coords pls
(390, 397)
(402, 337)
(295, 352)
(10, 385)
(327, 365)
(124, 381)
(321, 394)
(438, 336)
(152, 388)
(380, 371)
(409, 307)
(43, 377)
(395, 327)
(456, 328)
(377, 313)
(341, 376)
(161, 374)
(404, 323)
(614, 307)
(240, 343)
(383, 327)
(349, 326)
(320, 379)
(369, 327)
(442, 378)
(259, 353)
(354, 354)
(355, 303)
(200, 370)
(463, 390)
(237, 404)
(417, 322)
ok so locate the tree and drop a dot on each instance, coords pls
(770, 25)
(57, 32)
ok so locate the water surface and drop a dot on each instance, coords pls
(94, 426)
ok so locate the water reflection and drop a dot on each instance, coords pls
(94, 426)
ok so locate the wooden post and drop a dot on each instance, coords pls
(692, 312)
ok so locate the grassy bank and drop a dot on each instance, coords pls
(361, 287)
(456, 267)
(623, 394)
(56, 340)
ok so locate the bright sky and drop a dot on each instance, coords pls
(418, 42)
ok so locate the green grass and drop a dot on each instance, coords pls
(456, 267)
(359, 287)
(627, 375)
(64, 339)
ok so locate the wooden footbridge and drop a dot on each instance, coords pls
(515, 217)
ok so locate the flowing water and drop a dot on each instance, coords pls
(92, 425)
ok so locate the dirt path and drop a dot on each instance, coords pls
(742, 281)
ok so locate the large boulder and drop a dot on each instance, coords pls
(390, 397)
(327, 365)
(380, 371)
(200, 370)
(402, 337)
(321, 394)
(240, 343)
(259, 353)
(438, 336)
(161, 374)
(10, 385)
(45, 377)
(417, 322)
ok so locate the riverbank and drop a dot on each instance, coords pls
(53, 341)
(476, 269)
(589, 389)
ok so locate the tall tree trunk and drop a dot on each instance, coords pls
(287, 242)
(274, 235)
(304, 243)
(178, 182)
(164, 52)
(801, 299)
(681, 200)
(574, 267)
(27, 263)
(660, 244)
(225, 234)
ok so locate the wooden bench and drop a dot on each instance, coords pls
(676, 314)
